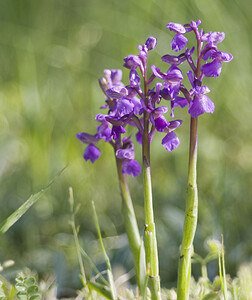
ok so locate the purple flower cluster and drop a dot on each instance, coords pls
(126, 104)
(207, 49)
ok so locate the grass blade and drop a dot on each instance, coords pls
(17, 214)
(76, 238)
(110, 276)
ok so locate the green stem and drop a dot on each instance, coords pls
(150, 232)
(132, 229)
(191, 215)
(76, 239)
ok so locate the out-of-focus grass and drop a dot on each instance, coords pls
(51, 54)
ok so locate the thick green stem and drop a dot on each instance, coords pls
(150, 232)
(191, 215)
(132, 230)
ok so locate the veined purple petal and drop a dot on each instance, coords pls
(116, 92)
(212, 69)
(159, 111)
(173, 75)
(137, 105)
(223, 56)
(178, 42)
(170, 141)
(116, 76)
(214, 37)
(124, 106)
(208, 51)
(165, 94)
(91, 153)
(104, 132)
(176, 27)
(131, 167)
(161, 123)
(191, 78)
(201, 90)
(199, 105)
(115, 120)
(156, 71)
(134, 78)
(174, 125)
(86, 138)
(173, 60)
(173, 89)
(128, 153)
(151, 43)
(132, 62)
(100, 117)
(111, 78)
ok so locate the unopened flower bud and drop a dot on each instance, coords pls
(151, 43)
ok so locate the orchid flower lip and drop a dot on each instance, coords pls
(91, 153)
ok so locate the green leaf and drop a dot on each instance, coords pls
(14, 217)
(100, 288)
(32, 290)
(211, 296)
(35, 297)
(112, 285)
(30, 281)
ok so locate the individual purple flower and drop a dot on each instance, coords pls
(124, 106)
(171, 79)
(127, 153)
(104, 131)
(112, 78)
(132, 62)
(173, 75)
(161, 123)
(213, 69)
(194, 25)
(208, 51)
(91, 153)
(131, 167)
(116, 92)
(199, 105)
(178, 42)
(170, 141)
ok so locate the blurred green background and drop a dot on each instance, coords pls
(52, 53)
